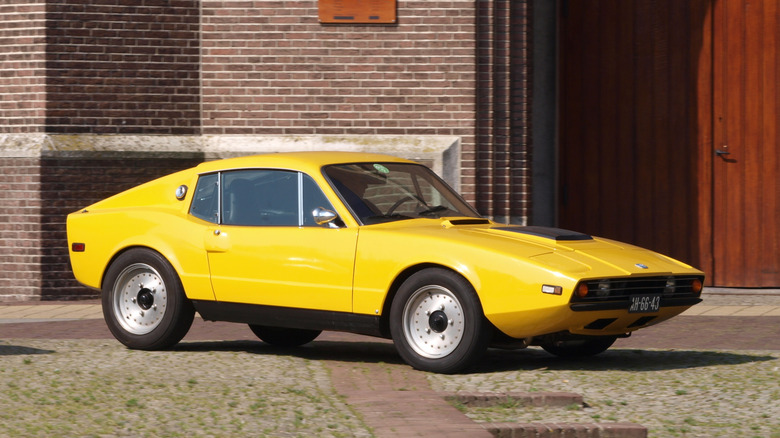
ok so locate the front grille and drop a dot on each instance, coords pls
(614, 293)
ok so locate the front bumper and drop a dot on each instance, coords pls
(623, 305)
(593, 319)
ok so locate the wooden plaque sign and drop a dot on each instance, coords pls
(358, 11)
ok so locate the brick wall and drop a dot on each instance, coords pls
(502, 157)
(68, 184)
(269, 67)
(20, 228)
(123, 66)
(22, 66)
(456, 69)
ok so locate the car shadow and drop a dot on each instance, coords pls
(370, 352)
(530, 359)
(20, 350)
(616, 359)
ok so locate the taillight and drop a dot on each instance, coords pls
(78, 247)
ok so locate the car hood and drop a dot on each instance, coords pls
(579, 253)
(560, 250)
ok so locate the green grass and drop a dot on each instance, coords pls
(100, 388)
(672, 393)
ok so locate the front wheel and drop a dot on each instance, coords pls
(573, 349)
(144, 303)
(437, 323)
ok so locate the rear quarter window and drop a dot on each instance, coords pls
(205, 201)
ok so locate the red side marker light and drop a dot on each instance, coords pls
(78, 247)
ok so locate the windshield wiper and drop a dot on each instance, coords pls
(385, 218)
(432, 210)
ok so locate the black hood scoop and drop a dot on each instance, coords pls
(556, 234)
(475, 221)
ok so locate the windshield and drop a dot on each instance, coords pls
(384, 192)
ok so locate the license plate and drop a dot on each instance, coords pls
(644, 303)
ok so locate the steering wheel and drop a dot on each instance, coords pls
(398, 203)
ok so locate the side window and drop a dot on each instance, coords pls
(205, 201)
(313, 198)
(260, 198)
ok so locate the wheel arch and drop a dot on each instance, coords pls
(401, 278)
(189, 264)
(126, 249)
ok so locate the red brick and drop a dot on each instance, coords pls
(184, 67)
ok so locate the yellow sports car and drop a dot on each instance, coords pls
(296, 243)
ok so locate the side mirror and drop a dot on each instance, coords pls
(323, 216)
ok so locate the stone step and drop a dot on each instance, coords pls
(565, 430)
(543, 430)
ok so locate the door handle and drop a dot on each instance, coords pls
(721, 152)
(216, 241)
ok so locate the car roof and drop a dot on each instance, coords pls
(303, 161)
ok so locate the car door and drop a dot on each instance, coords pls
(265, 247)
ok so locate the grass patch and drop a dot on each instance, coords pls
(665, 391)
(120, 392)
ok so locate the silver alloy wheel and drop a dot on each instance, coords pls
(433, 321)
(139, 298)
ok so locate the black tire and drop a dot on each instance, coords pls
(437, 323)
(284, 337)
(579, 348)
(144, 303)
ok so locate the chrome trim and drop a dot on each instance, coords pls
(300, 199)
(219, 198)
(323, 216)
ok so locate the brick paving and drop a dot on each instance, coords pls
(396, 400)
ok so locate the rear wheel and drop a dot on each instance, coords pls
(580, 347)
(144, 303)
(437, 323)
(284, 337)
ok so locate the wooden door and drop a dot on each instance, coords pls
(629, 114)
(745, 165)
(669, 130)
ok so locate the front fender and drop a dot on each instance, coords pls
(502, 280)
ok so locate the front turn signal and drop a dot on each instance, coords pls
(582, 290)
(696, 286)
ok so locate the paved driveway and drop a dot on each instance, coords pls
(397, 400)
